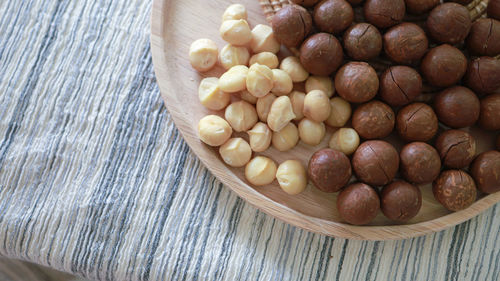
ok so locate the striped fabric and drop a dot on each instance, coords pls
(95, 179)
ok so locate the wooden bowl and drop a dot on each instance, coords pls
(175, 24)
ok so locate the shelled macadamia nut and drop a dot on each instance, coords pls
(317, 106)
(485, 170)
(489, 117)
(449, 23)
(417, 122)
(259, 80)
(484, 37)
(405, 43)
(211, 96)
(323, 83)
(345, 140)
(280, 114)
(286, 139)
(400, 85)
(384, 13)
(483, 75)
(358, 204)
(234, 80)
(214, 130)
(235, 12)
(418, 7)
(456, 148)
(375, 162)
(263, 106)
(329, 170)
(236, 152)
(297, 99)
(357, 82)
(265, 58)
(321, 54)
(340, 113)
(311, 132)
(333, 16)
(282, 83)
(260, 137)
(203, 54)
(263, 40)
(246, 96)
(401, 201)
(457, 107)
(260, 171)
(236, 32)
(373, 120)
(455, 190)
(231, 56)
(291, 24)
(241, 116)
(292, 66)
(420, 163)
(444, 66)
(363, 41)
(292, 177)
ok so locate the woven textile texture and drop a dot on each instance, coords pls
(95, 179)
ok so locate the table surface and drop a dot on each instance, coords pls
(95, 179)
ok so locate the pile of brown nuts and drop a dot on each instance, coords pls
(449, 53)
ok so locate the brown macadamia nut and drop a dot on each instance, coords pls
(260, 137)
(260, 171)
(311, 132)
(280, 114)
(357, 82)
(292, 177)
(375, 162)
(483, 75)
(486, 171)
(236, 152)
(484, 37)
(214, 130)
(297, 98)
(418, 7)
(417, 122)
(236, 32)
(235, 12)
(420, 163)
(323, 83)
(241, 116)
(358, 204)
(263, 40)
(282, 83)
(211, 96)
(345, 140)
(340, 113)
(405, 43)
(444, 66)
(329, 170)
(286, 139)
(321, 54)
(457, 107)
(231, 56)
(291, 24)
(263, 106)
(400, 85)
(498, 142)
(362, 42)
(317, 106)
(203, 54)
(333, 16)
(305, 3)
(234, 80)
(400, 201)
(456, 148)
(449, 23)
(259, 80)
(455, 190)
(489, 117)
(373, 120)
(384, 13)
(292, 66)
(246, 96)
(265, 58)
(494, 9)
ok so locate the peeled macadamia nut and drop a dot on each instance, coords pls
(417, 122)
(456, 148)
(214, 130)
(234, 80)
(297, 98)
(292, 177)
(265, 58)
(329, 170)
(291, 24)
(260, 137)
(235, 12)
(246, 96)
(449, 23)
(358, 204)
(483, 75)
(241, 116)
(489, 117)
(259, 80)
(420, 163)
(405, 43)
(236, 152)
(363, 42)
(418, 7)
(280, 114)
(375, 162)
(311, 132)
(231, 56)
(455, 190)
(211, 96)
(292, 66)
(484, 37)
(345, 140)
(323, 83)
(340, 112)
(286, 139)
(305, 3)
(321, 54)
(260, 171)
(373, 120)
(282, 83)
(486, 171)
(384, 13)
(263, 106)
(333, 16)
(401, 201)
(263, 40)
(317, 106)
(457, 107)
(236, 32)
(203, 54)
(400, 85)
(357, 82)
(444, 66)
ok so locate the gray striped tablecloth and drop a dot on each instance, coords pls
(95, 179)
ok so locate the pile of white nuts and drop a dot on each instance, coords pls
(265, 104)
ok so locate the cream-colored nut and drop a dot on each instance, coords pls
(292, 177)
(236, 152)
(236, 32)
(264, 106)
(211, 96)
(340, 112)
(259, 80)
(317, 106)
(260, 171)
(265, 58)
(293, 67)
(260, 137)
(310, 132)
(231, 55)
(282, 83)
(287, 138)
(322, 83)
(214, 130)
(203, 54)
(345, 140)
(235, 12)
(234, 80)
(263, 40)
(246, 96)
(241, 116)
(281, 113)
(297, 99)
